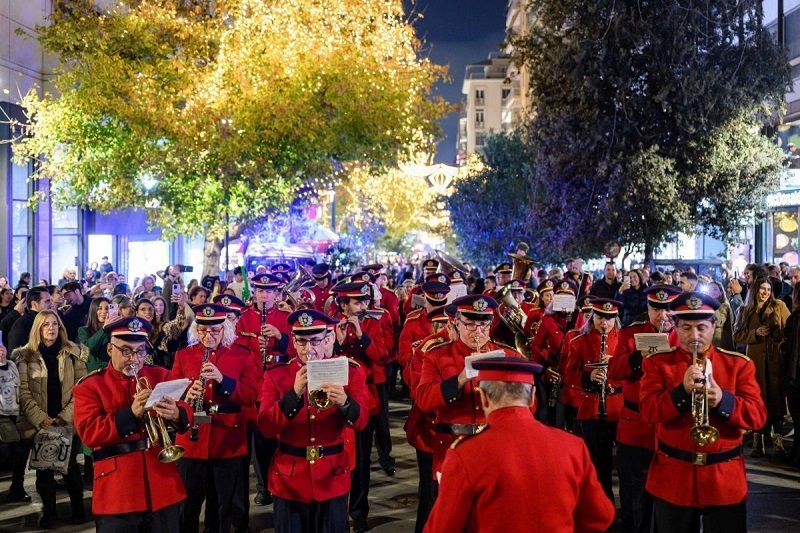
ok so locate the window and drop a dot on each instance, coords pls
(21, 222)
(506, 93)
(479, 118)
(480, 139)
(480, 97)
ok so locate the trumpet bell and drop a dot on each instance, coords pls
(522, 266)
(704, 434)
(320, 400)
(171, 453)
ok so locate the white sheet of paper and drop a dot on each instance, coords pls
(417, 301)
(174, 389)
(564, 303)
(468, 360)
(456, 291)
(651, 342)
(327, 372)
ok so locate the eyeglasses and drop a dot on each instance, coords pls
(209, 331)
(473, 326)
(313, 342)
(127, 353)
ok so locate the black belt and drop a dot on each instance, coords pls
(633, 406)
(120, 449)
(221, 409)
(459, 429)
(700, 458)
(277, 358)
(312, 453)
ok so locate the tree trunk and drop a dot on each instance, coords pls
(211, 252)
(648, 255)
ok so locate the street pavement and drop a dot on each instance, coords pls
(773, 507)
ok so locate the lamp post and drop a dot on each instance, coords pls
(331, 196)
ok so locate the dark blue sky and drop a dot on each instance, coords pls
(457, 33)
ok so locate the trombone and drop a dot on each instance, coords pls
(154, 425)
(702, 433)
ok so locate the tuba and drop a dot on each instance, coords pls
(155, 427)
(702, 433)
(297, 293)
(522, 267)
(514, 318)
(449, 264)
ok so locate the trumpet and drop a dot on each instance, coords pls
(155, 427)
(319, 399)
(702, 433)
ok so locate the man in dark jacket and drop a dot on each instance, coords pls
(37, 300)
(78, 313)
(607, 286)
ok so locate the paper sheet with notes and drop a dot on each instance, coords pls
(651, 342)
(328, 372)
(468, 360)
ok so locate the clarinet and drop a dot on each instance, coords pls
(601, 408)
(263, 334)
(197, 405)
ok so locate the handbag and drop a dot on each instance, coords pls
(51, 449)
(8, 430)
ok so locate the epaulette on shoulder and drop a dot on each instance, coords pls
(457, 442)
(504, 345)
(462, 438)
(440, 346)
(672, 349)
(737, 354)
(413, 315)
(353, 361)
(92, 373)
(637, 323)
(247, 334)
(578, 336)
(273, 366)
(574, 329)
(432, 343)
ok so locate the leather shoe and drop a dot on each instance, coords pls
(360, 525)
(263, 498)
(47, 522)
(78, 517)
(389, 470)
(19, 497)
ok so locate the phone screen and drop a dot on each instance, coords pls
(176, 288)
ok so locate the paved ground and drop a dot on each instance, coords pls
(774, 504)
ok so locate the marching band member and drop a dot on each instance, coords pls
(418, 324)
(131, 486)
(444, 388)
(600, 408)
(699, 411)
(309, 474)
(571, 394)
(429, 268)
(321, 273)
(635, 437)
(518, 474)
(225, 377)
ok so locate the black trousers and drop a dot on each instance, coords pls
(383, 439)
(46, 481)
(570, 419)
(359, 492)
(262, 450)
(166, 520)
(716, 518)
(428, 489)
(329, 516)
(793, 401)
(633, 462)
(230, 482)
(599, 436)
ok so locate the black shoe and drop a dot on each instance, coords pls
(19, 497)
(78, 517)
(389, 470)
(263, 498)
(360, 525)
(47, 522)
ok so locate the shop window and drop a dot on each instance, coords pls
(785, 236)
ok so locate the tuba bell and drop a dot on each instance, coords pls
(449, 264)
(522, 267)
(514, 318)
(297, 293)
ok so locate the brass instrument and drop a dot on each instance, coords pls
(449, 264)
(702, 433)
(200, 416)
(514, 318)
(522, 267)
(296, 293)
(602, 413)
(319, 399)
(155, 427)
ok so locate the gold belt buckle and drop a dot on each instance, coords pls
(270, 358)
(313, 453)
(699, 458)
(478, 428)
(212, 409)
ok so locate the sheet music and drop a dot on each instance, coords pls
(468, 360)
(332, 371)
(174, 389)
(651, 342)
(564, 303)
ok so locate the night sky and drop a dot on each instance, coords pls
(457, 33)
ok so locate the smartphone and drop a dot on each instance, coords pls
(176, 288)
(626, 279)
(184, 268)
(113, 309)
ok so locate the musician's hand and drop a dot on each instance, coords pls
(167, 409)
(301, 381)
(598, 375)
(47, 422)
(271, 331)
(714, 392)
(341, 331)
(262, 343)
(693, 378)
(356, 324)
(194, 392)
(462, 378)
(335, 393)
(552, 375)
(138, 402)
(210, 371)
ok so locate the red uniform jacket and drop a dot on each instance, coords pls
(570, 393)
(391, 303)
(419, 426)
(407, 307)
(438, 391)
(370, 352)
(520, 475)
(586, 349)
(534, 316)
(387, 327)
(416, 328)
(135, 481)
(250, 322)
(626, 366)
(546, 344)
(226, 435)
(666, 403)
(321, 296)
(296, 423)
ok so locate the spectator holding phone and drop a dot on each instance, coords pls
(631, 294)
